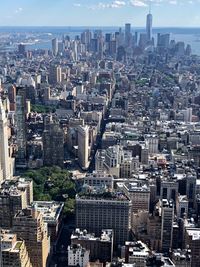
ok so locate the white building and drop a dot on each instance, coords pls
(5, 161)
(83, 146)
(152, 144)
(78, 256)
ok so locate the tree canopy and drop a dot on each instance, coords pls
(53, 183)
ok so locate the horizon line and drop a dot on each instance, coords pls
(107, 26)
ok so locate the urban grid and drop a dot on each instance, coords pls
(99, 149)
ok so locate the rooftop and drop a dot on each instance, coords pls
(194, 233)
(50, 210)
(106, 235)
(116, 196)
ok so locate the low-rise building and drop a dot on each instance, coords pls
(101, 248)
(78, 256)
(136, 252)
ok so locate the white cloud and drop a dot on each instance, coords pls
(138, 3)
(77, 4)
(114, 4)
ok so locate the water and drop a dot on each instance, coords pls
(188, 35)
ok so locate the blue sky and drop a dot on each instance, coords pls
(179, 13)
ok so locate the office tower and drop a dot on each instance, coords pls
(192, 240)
(149, 27)
(168, 189)
(55, 46)
(152, 141)
(180, 49)
(5, 168)
(191, 180)
(21, 49)
(15, 195)
(167, 225)
(86, 38)
(12, 97)
(108, 37)
(61, 47)
(127, 34)
(163, 40)
(83, 146)
(143, 40)
(20, 117)
(94, 45)
(97, 211)
(29, 225)
(55, 74)
(188, 50)
(13, 251)
(53, 143)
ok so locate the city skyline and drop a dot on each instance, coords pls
(167, 13)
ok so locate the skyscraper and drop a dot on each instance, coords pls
(21, 128)
(55, 74)
(149, 26)
(83, 146)
(55, 46)
(167, 225)
(53, 143)
(127, 34)
(5, 172)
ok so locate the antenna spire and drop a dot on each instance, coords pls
(149, 7)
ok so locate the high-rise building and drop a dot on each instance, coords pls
(55, 74)
(5, 168)
(53, 143)
(12, 97)
(193, 241)
(149, 26)
(13, 251)
(55, 46)
(21, 49)
(127, 34)
(28, 224)
(163, 40)
(15, 195)
(20, 117)
(167, 225)
(83, 146)
(95, 212)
